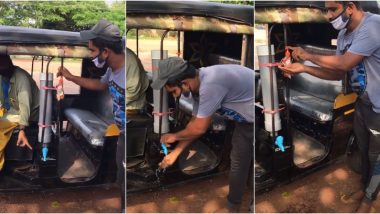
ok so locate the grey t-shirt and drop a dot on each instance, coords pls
(364, 41)
(227, 90)
(116, 87)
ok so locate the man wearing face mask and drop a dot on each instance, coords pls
(19, 103)
(106, 48)
(358, 55)
(223, 89)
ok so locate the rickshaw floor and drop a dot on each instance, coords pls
(12, 183)
(306, 149)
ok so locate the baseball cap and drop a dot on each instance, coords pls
(168, 68)
(103, 30)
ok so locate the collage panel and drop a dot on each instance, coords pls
(190, 93)
(317, 113)
(62, 106)
(192, 106)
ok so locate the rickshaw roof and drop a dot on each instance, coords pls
(371, 6)
(235, 13)
(26, 35)
(42, 42)
(298, 11)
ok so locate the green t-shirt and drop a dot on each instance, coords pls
(23, 98)
(137, 82)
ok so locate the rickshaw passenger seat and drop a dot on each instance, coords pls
(314, 107)
(93, 121)
(218, 122)
(92, 127)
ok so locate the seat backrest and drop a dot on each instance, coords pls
(308, 84)
(215, 59)
(103, 106)
(97, 102)
(91, 115)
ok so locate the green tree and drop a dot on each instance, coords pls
(246, 2)
(116, 14)
(61, 15)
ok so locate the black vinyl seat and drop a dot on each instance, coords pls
(92, 123)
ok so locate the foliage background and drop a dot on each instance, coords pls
(244, 2)
(62, 15)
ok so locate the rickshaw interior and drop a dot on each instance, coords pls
(316, 116)
(83, 135)
(216, 41)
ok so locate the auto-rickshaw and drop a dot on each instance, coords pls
(75, 138)
(302, 123)
(213, 33)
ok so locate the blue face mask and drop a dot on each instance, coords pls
(341, 21)
(6, 85)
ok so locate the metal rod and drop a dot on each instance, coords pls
(59, 109)
(178, 43)
(271, 80)
(34, 57)
(35, 150)
(161, 90)
(47, 65)
(137, 42)
(42, 64)
(177, 99)
(162, 44)
(287, 84)
(244, 48)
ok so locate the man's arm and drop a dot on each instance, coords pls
(194, 129)
(173, 155)
(92, 84)
(24, 97)
(322, 73)
(335, 63)
(338, 63)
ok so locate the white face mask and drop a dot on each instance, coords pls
(99, 62)
(186, 94)
(341, 21)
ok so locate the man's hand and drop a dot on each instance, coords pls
(169, 160)
(62, 71)
(299, 53)
(167, 139)
(292, 69)
(22, 141)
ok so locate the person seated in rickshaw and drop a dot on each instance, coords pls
(137, 85)
(19, 103)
